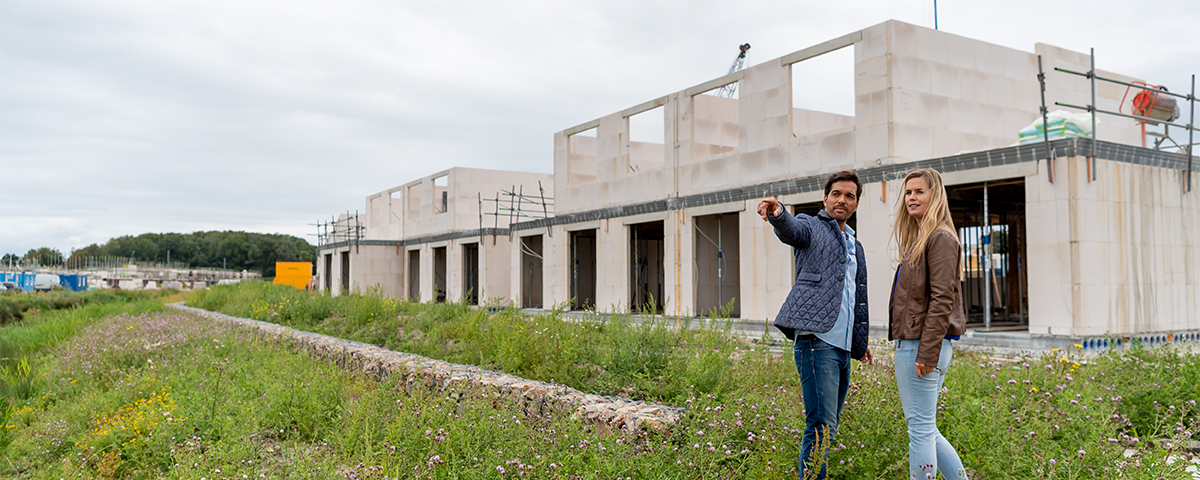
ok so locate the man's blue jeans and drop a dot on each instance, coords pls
(824, 378)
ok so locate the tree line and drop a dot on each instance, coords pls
(233, 250)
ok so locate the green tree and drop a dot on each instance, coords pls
(235, 250)
(44, 256)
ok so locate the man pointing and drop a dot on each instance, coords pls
(826, 311)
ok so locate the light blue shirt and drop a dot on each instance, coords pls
(842, 333)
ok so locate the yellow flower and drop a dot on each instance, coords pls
(1053, 349)
(1078, 345)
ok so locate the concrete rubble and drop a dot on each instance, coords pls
(381, 363)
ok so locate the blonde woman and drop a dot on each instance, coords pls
(926, 314)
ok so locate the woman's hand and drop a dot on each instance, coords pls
(923, 369)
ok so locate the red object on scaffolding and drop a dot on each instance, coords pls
(1149, 104)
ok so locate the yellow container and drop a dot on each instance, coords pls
(296, 274)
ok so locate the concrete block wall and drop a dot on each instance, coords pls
(767, 266)
(1076, 90)
(951, 94)
(714, 128)
(555, 267)
(375, 267)
(408, 211)
(919, 94)
(612, 266)
(680, 239)
(385, 215)
(1114, 255)
(807, 123)
(495, 269)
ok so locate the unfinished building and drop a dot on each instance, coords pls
(1074, 236)
(427, 240)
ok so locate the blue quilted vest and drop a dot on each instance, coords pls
(816, 296)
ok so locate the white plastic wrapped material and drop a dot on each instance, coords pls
(1059, 124)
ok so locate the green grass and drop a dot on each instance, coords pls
(610, 355)
(245, 407)
(15, 305)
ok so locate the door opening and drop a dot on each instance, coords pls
(531, 271)
(414, 275)
(994, 271)
(646, 273)
(583, 269)
(439, 274)
(471, 273)
(717, 265)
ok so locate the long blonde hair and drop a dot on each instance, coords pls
(912, 237)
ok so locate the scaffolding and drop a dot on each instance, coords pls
(1144, 120)
(338, 230)
(521, 207)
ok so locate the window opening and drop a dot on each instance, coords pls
(646, 133)
(414, 202)
(581, 157)
(441, 194)
(823, 93)
(715, 128)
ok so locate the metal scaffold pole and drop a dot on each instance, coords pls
(1092, 158)
(1045, 123)
(986, 252)
(1191, 128)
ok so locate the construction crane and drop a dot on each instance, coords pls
(728, 90)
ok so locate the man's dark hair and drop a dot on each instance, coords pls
(843, 176)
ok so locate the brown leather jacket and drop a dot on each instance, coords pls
(926, 299)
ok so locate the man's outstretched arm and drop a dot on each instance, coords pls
(789, 229)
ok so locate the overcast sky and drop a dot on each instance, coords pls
(127, 117)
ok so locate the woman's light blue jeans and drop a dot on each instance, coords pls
(928, 450)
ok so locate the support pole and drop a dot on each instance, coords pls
(1045, 123)
(545, 211)
(1191, 128)
(987, 262)
(1092, 158)
(720, 277)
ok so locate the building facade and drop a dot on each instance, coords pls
(1073, 237)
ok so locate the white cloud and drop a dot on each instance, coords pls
(126, 117)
